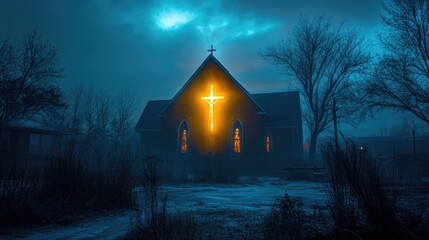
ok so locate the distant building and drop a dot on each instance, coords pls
(214, 125)
(27, 140)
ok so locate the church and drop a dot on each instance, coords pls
(214, 126)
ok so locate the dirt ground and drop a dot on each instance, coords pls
(233, 209)
(236, 211)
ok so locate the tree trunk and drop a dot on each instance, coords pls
(313, 143)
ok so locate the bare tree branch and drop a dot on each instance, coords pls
(27, 74)
(401, 78)
(322, 58)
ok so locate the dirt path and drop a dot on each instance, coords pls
(109, 226)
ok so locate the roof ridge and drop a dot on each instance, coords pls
(274, 92)
(213, 58)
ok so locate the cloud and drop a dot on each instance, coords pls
(208, 20)
(153, 46)
(232, 27)
(172, 19)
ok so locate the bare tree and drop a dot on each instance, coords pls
(99, 123)
(121, 123)
(323, 59)
(401, 77)
(27, 74)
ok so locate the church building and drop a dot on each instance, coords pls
(213, 126)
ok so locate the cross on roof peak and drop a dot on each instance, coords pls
(211, 50)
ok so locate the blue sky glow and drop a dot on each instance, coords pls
(172, 19)
(153, 47)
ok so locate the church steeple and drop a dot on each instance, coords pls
(211, 50)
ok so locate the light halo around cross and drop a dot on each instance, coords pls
(212, 100)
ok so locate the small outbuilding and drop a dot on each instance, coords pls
(27, 140)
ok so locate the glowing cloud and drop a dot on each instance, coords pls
(172, 19)
(215, 25)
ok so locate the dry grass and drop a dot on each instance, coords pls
(150, 219)
(63, 189)
(362, 205)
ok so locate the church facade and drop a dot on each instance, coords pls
(214, 126)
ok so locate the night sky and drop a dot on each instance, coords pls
(153, 47)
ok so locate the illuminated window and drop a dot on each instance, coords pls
(184, 142)
(237, 138)
(237, 141)
(183, 137)
(268, 143)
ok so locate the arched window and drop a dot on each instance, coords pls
(268, 143)
(184, 141)
(237, 139)
(183, 137)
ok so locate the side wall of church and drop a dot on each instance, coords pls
(287, 147)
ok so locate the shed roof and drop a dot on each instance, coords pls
(31, 125)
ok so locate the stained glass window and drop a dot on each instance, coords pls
(268, 143)
(184, 141)
(237, 141)
(183, 138)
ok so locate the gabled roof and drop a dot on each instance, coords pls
(31, 125)
(149, 120)
(211, 58)
(283, 108)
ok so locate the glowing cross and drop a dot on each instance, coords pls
(211, 100)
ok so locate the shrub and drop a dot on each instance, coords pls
(176, 226)
(19, 194)
(286, 219)
(74, 185)
(62, 188)
(340, 201)
(355, 187)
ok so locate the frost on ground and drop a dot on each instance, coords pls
(237, 210)
(233, 208)
(107, 226)
(256, 198)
